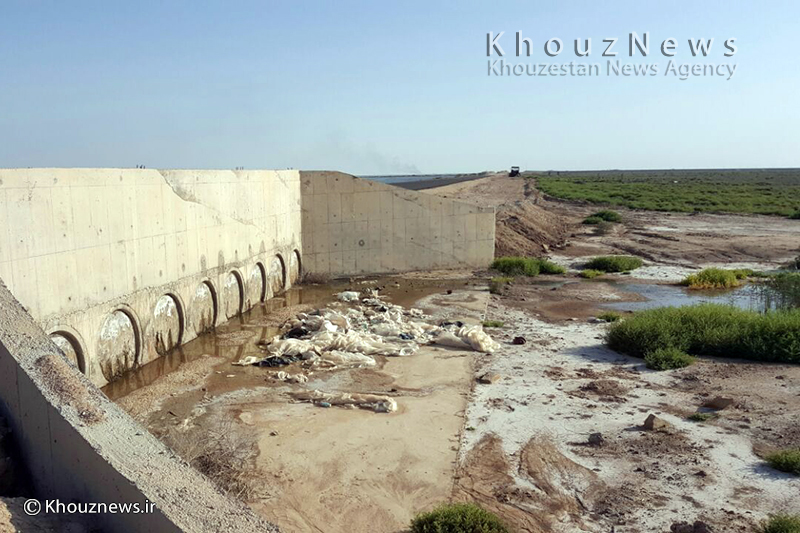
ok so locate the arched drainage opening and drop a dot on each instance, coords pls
(167, 324)
(118, 345)
(71, 348)
(257, 286)
(232, 295)
(295, 267)
(277, 275)
(203, 310)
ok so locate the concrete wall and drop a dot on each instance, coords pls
(356, 226)
(121, 265)
(80, 447)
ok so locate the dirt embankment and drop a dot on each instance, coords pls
(530, 224)
(524, 224)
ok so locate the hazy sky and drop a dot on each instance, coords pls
(387, 87)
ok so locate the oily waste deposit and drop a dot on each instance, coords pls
(349, 333)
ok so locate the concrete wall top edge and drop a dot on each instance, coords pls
(79, 446)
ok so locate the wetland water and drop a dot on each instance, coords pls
(745, 297)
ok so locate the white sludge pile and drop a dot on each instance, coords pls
(350, 333)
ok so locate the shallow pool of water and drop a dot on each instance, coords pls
(239, 337)
(745, 297)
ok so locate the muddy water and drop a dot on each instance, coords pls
(745, 297)
(237, 337)
(316, 469)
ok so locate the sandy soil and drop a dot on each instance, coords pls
(557, 444)
(332, 469)
(563, 385)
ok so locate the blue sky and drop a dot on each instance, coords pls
(386, 87)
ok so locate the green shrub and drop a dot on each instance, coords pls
(668, 358)
(592, 220)
(458, 518)
(516, 266)
(493, 324)
(496, 283)
(701, 417)
(710, 329)
(614, 263)
(608, 215)
(795, 215)
(548, 267)
(785, 461)
(590, 273)
(609, 316)
(781, 523)
(712, 278)
(526, 266)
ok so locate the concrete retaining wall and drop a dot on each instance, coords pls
(356, 226)
(79, 447)
(121, 265)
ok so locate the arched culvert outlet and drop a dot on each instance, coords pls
(277, 275)
(167, 324)
(257, 285)
(67, 343)
(118, 345)
(232, 295)
(295, 268)
(203, 310)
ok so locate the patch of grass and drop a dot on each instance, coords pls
(608, 215)
(591, 273)
(548, 267)
(526, 266)
(713, 278)
(795, 215)
(609, 316)
(497, 283)
(516, 266)
(458, 518)
(592, 220)
(781, 523)
(710, 329)
(493, 324)
(701, 417)
(614, 263)
(785, 460)
(668, 358)
(767, 192)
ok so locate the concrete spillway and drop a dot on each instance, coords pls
(113, 268)
(120, 266)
